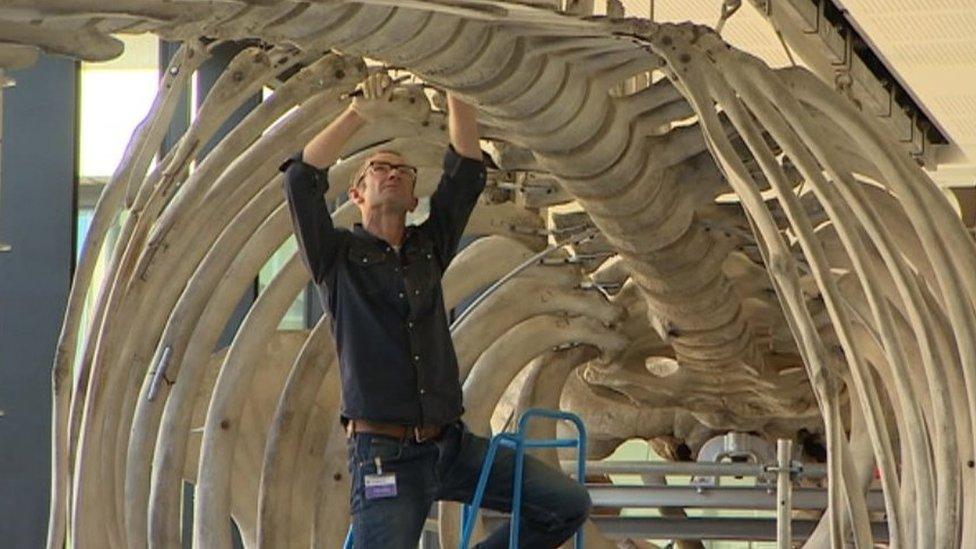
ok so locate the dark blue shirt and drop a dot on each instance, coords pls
(396, 357)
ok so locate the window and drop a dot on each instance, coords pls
(294, 318)
(114, 97)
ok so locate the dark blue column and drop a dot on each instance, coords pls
(181, 117)
(37, 218)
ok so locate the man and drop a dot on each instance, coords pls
(401, 396)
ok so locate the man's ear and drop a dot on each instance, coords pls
(355, 195)
(414, 205)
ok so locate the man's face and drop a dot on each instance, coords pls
(387, 183)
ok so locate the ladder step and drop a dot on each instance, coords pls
(511, 441)
(551, 443)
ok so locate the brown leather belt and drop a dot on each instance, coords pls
(419, 434)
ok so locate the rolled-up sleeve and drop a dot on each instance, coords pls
(453, 201)
(318, 240)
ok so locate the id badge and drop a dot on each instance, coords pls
(379, 485)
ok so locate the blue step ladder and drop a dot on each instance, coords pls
(519, 443)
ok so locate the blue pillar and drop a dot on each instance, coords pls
(181, 117)
(37, 218)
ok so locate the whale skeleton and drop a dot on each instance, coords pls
(764, 258)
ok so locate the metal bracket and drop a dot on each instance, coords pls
(159, 374)
(729, 7)
(568, 345)
(607, 290)
(525, 187)
(602, 286)
(578, 258)
(732, 445)
(535, 231)
(795, 469)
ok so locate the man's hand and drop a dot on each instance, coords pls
(463, 128)
(377, 96)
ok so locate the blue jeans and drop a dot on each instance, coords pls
(554, 506)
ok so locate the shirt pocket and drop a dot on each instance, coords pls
(423, 275)
(370, 266)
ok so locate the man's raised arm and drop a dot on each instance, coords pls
(463, 128)
(462, 182)
(323, 150)
(306, 177)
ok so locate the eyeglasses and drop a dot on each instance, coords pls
(383, 168)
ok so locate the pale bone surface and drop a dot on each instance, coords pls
(834, 295)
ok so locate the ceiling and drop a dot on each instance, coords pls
(929, 45)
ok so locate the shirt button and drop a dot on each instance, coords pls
(429, 256)
(416, 292)
(364, 259)
(423, 391)
(410, 324)
(400, 295)
(416, 358)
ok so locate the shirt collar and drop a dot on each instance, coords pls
(358, 229)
